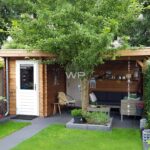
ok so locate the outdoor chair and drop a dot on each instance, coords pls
(63, 100)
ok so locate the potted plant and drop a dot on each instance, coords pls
(77, 115)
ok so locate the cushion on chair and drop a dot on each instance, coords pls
(62, 99)
(93, 97)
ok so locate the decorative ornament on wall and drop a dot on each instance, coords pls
(56, 72)
(129, 77)
(136, 72)
(93, 83)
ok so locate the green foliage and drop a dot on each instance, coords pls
(139, 30)
(96, 117)
(1, 63)
(76, 112)
(4, 20)
(147, 92)
(14, 45)
(79, 32)
(10, 10)
(147, 126)
(2, 98)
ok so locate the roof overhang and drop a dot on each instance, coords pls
(134, 52)
(24, 53)
(142, 52)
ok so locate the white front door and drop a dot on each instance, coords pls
(27, 101)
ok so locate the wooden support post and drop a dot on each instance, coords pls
(84, 93)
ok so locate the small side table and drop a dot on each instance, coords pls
(128, 107)
(56, 105)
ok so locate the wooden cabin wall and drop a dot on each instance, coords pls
(42, 90)
(117, 68)
(52, 88)
(12, 85)
(1, 83)
(42, 87)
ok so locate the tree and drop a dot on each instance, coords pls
(79, 32)
(10, 10)
(4, 21)
(139, 31)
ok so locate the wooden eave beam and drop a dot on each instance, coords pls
(24, 53)
(132, 53)
(140, 63)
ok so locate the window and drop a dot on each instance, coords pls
(26, 77)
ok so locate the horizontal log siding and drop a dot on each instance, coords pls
(42, 90)
(12, 86)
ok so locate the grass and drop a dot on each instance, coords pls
(57, 137)
(9, 127)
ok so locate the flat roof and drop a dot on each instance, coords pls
(24, 53)
(134, 52)
(37, 53)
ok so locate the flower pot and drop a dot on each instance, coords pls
(143, 123)
(146, 146)
(141, 132)
(146, 135)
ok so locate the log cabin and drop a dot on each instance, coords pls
(31, 87)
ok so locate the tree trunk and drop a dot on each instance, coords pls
(84, 93)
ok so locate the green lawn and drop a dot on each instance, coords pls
(57, 137)
(9, 127)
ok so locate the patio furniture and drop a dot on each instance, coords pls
(111, 99)
(63, 99)
(104, 109)
(128, 107)
(56, 105)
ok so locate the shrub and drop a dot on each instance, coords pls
(96, 117)
(76, 112)
(147, 92)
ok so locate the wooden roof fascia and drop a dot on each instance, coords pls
(25, 53)
(36, 53)
(134, 52)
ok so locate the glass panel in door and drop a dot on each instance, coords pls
(26, 77)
